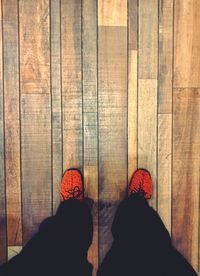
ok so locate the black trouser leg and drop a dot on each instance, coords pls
(60, 246)
(142, 245)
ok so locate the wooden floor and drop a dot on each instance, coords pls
(106, 86)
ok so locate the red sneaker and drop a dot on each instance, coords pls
(141, 182)
(72, 185)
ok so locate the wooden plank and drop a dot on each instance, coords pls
(34, 46)
(164, 168)
(112, 102)
(56, 101)
(147, 89)
(147, 130)
(72, 84)
(148, 39)
(186, 43)
(132, 87)
(165, 56)
(13, 251)
(36, 161)
(35, 114)
(3, 238)
(186, 164)
(89, 37)
(117, 16)
(165, 110)
(12, 124)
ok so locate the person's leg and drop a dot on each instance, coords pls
(142, 245)
(60, 246)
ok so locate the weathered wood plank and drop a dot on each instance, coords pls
(35, 114)
(147, 130)
(12, 124)
(132, 87)
(89, 37)
(36, 161)
(112, 102)
(186, 43)
(148, 39)
(72, 84)
(115, 16)
(34, 46)
(147, 89)
(57, 166)
(164, 168)
(165, 56)
(3, 238)
(186, 164)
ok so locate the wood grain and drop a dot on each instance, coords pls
(56, 115)
(36, 161)
(112, 102)
(117, 16)
(3, 238)
(12, 124)
(165, 56)
(164, 168)
(186, 164)
(148, 39)
(147, 130)
(186, 43)
(132, 87)
(72, 84)
(90, 116)
(34, 46)
(35, 114)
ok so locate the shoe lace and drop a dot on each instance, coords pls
(75, 192)
(140, 191)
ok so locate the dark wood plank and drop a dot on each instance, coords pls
(3, 241)
(35, 114)
(186, 43)
(89, 38)
(72, 84)
(112, 102)
(12, 124)
(186, 164)
(56, 101)
(132, 87)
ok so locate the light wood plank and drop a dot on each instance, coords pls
(34, 46)
(132, 87)
(164, 168)
(12, 124)
(148, 39)
(186, 164)
(35, 114)
(72, 84)
(3, 241)
(56, 101)
(147, 130)
(165, 56)
(90, 126)
(117, 16)
(13, 251)
(186, 43)
(112, 102)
